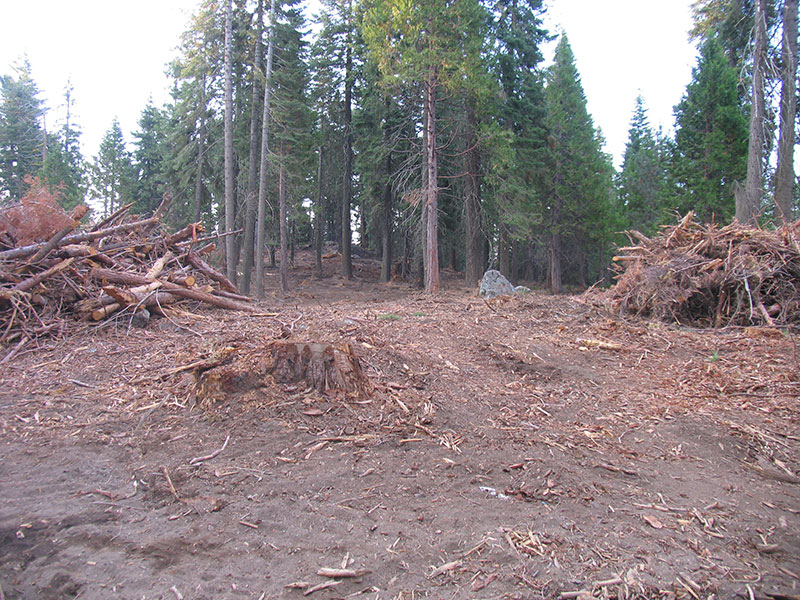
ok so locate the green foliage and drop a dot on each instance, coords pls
(578, 193)
(21, 134)
(111, 171)
(710, 140)
(642, 184)
(148, 159)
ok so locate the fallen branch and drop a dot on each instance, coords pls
(199, 459)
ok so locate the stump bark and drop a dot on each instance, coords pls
(323, 367)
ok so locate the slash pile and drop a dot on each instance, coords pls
(710, 276)
(123, 266)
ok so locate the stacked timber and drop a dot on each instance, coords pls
(124, 266)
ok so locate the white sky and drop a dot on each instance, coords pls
(115, 53)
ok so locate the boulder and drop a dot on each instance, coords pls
(495, 284)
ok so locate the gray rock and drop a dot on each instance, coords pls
(495, 284)
(521, 289)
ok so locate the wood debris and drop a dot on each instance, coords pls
(711, 276)
(125, 266)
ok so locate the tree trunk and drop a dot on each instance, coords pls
(748, 204)
(386, 221)
(252, 172)
(284, 271)
(347, 186)
(784, 176)
(262, 176)
(555, 262)
(201, 147)
(318, 216)
(472, 204)
(431, 191)
(503, 252)
(230, 206)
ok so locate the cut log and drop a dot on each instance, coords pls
(187, 233)
(202, 266)
(32, 282)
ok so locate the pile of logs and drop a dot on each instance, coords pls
(711, 276)
(124, 266)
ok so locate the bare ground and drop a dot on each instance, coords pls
(534, 447)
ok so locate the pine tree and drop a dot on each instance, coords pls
(65, 168)
(578, 189)
(642, 182)
(21, 134)
(292, 120)
(417, 42)
(111, 172)
(148, 158)
(710, 139)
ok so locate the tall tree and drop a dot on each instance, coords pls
(112, 170)
(748, 204)
(148, 159)
(230, 190)
(21, 132)
(65, 168)
(578, 185)
(642, 182)
(265, 148)
(417, 42)
(347, 184)
(785, 175)
(252, 171)
(710, 139)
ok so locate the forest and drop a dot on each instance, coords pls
(428, 135)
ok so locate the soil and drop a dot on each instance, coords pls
(533, 446)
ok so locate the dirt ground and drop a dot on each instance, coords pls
(526, 447)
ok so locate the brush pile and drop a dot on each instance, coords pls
(710, 276)
(124, 267)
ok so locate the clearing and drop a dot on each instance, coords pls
(525, 447)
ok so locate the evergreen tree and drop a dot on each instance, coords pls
(111, 172)
(417, 42)
(578, 188)
(642, 182)
(710, 140)
(292, 120)
(21, 134)
(148, 159)
(65, 168)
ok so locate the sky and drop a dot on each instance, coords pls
(114, 54)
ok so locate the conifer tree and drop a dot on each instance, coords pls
(577, 190)
(710, 139)
(111, 170)
(148, 159)
(642, 182)
(21, 134)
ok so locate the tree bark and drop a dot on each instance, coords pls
(262, 177)
(230, 207)
(201, 149)
(784, 175)
(748, 204)
(386, 223)
(431, 192)
(318, 216)
(555, 262)
(504, 252)
(347, 186)
(284, 234)
(252, 172)
(472, 204)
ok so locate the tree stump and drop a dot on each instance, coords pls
(323, 367)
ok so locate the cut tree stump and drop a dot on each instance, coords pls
(323, 367)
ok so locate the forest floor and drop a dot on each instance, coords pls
(525, 447)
